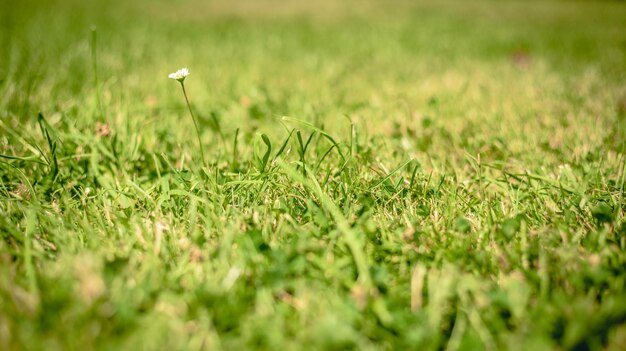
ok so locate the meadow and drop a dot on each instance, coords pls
(373, 175)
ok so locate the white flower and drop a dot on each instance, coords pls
(180, 75)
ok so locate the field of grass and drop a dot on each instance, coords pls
(377, 175)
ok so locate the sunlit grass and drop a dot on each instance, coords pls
(364, 176)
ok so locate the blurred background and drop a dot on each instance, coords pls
(473, 66)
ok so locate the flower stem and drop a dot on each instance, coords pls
(195, 123)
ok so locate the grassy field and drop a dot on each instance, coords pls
(376, 175)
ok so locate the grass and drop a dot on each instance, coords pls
(392, 175)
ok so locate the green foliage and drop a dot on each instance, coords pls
(379, 175)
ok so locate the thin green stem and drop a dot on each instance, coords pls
(94, 61)
(195, 123)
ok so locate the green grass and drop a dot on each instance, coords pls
(379, 175)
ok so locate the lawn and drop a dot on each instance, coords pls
(366, 175)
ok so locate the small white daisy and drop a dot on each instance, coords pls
(180, 75)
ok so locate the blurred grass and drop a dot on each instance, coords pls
(504, 230)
